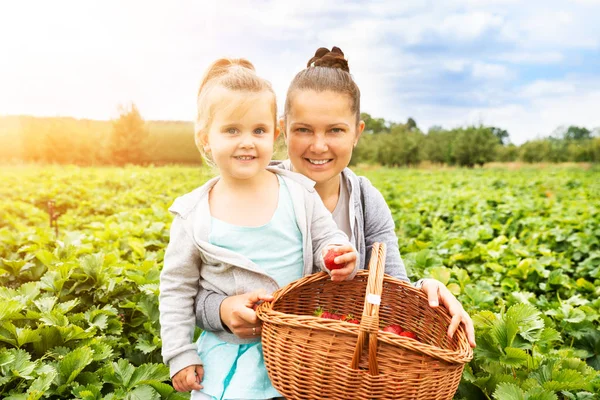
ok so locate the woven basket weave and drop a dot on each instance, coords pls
(308, 357)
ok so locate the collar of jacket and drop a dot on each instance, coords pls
(185, 204)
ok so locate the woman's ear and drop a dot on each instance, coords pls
(359, 130)
(277, 132)
(282, 127)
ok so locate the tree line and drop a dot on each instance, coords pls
(397, 144)
(129, 139)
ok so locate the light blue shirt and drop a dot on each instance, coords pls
(237, 371)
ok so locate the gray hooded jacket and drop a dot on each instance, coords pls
(193, 266)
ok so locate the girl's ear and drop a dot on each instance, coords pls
(204, 143)
(359, 130)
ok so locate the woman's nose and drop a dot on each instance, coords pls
(319, 144)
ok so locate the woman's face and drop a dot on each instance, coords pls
(321, 131)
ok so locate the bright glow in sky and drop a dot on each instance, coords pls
(527, 67)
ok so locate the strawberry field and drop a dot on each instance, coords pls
(78, 299)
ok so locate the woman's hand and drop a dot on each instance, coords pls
(237, 312)
(438, 293)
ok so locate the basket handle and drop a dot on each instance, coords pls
(369, 323)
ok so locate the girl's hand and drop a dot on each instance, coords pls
(348, 256)
(237, 313)
(188, 378)
(437, 292)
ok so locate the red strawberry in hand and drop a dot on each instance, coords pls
(397, 329)
(329, 260)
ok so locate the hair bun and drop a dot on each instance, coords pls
(329, 59)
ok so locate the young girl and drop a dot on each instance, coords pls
(253, 227)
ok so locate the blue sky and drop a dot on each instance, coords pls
(528, 67)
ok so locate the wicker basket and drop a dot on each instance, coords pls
(308, 357)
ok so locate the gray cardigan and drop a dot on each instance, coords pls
(192, 265)
(371, 221)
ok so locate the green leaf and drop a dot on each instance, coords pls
(45, 304)
(566, 380)
(6, 357)
(40, 385)
(9, 309)
(145, 347)
(540, 394)
(508, 391)
(143, 393)
(73, 363)
(442, 274)
(102, 351)
(21, 366)
(18, 337)
(163, 389)
(149, 373)
(73, 332)
(67, 306)
(46, 258)
(87, 392)
(528, 320)
(120, 373)
(514, 357)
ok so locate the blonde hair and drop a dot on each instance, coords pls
(236, 74)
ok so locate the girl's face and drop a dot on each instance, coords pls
(241, 134)
(321, 132)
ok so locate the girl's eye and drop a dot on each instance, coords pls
(260, 131)
(231, 131)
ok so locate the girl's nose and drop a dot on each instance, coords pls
(247, 141)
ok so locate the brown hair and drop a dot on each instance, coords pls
(326, 70)
(237, 74)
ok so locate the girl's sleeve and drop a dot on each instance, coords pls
(324, 232)
(379, 227)
(179, 284)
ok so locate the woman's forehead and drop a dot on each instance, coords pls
(320, 107)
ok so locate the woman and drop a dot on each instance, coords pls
(322, 126)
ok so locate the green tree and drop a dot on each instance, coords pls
(534, 151)
(366, 150)
(374, 125)
(128, 139)
(577, 133)
(474, 146)
(507, 153)
(501, 134)
(437, 146)
(400, 147)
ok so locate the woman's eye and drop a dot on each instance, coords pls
(302, 130)
(337, 130)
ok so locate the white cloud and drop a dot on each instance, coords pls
(543, 88)
(532, 57)
(468, 26)
(490, 71)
